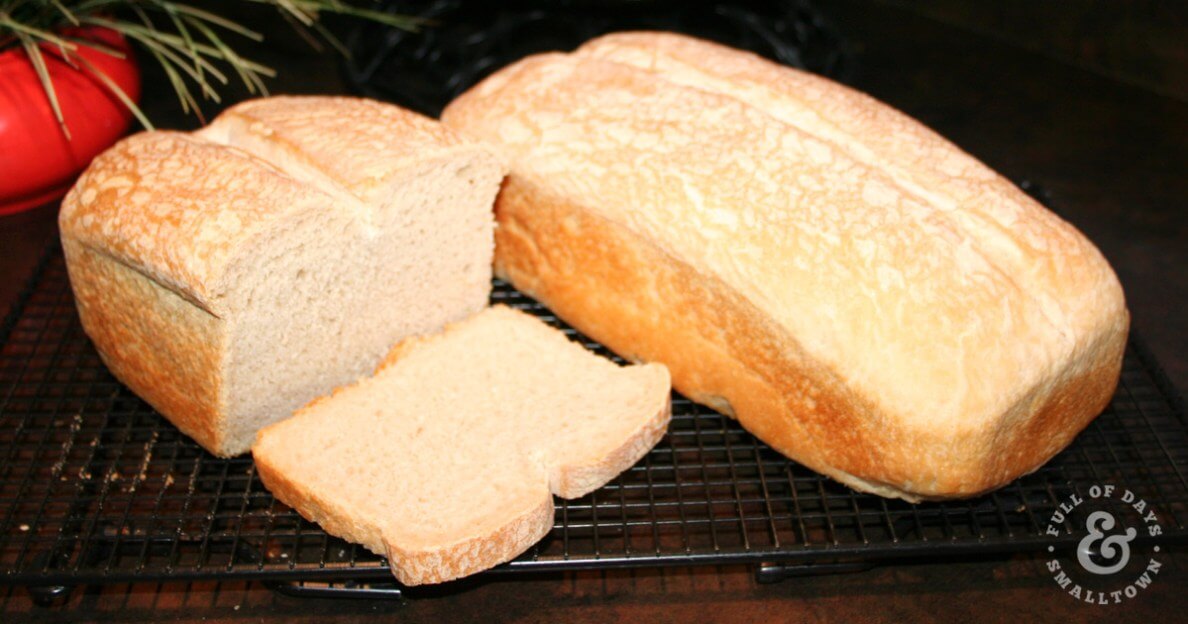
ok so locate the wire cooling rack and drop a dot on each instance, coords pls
(96, 487)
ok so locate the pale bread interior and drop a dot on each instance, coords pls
(329, 292)
(444, 460)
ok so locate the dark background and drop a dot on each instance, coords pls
(1087, 98)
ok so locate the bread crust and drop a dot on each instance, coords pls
(164, 348)
(469, 556)
(179, 210)
(576, 477)
(409, 566)
(353, 142)
(724, 353)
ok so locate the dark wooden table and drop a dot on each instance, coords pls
(1115, 161)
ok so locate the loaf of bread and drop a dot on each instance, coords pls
(447, 459)
(859, 293)
(231, 275)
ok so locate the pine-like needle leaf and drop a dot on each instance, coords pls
(189, 42)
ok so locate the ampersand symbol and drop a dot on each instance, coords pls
(1111, 547)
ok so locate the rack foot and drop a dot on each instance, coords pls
(343, 589)
(48, 595)
(770, 572)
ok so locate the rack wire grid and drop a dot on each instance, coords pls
(95, 487)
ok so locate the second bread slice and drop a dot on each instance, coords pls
(446, 460)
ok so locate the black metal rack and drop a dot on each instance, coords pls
(95, 487)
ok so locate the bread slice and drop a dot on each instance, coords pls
(444, 460)
(858, 292)
(231, 275)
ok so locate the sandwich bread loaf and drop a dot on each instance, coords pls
(230, 275)
(857, 291)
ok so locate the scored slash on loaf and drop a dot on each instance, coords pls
(447, 459)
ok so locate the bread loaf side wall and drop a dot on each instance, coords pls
(165, 348)
(621, 290)
(472, 554)
(645, 305)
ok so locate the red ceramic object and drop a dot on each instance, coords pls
(38, 163)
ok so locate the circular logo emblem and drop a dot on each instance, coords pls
(1107, 567)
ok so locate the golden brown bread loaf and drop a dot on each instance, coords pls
(857, 291)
